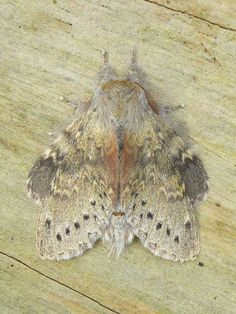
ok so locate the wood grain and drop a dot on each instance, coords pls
(51, 49)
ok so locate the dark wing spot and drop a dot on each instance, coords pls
(93, 203)
(150, 215)
(48, 223)
(67, 231)
(95, 217)
(188, 225)
(143, 202)
(134, 206)
(77, 225)
(105, 194)
(100, 195)
(176, 239)
(58, 237)
(86, 217)
(141, 216)
(201, 264)
(103, 208)
(168, 231)
(159, 225)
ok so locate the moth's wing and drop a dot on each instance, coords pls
(155, 190)
(193, 175)
(74, 183)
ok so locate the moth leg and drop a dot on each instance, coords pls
(70, 102)
(135, 74)
(166, 110)
(106, 72)
(77, 105)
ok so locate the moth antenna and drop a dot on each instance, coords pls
(105, 57)
(135, 73)
(106, 73)
(133, 60)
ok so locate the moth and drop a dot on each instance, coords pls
(118, 171)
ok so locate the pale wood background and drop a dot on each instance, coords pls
(51, 49)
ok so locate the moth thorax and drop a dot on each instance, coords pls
(122, 98)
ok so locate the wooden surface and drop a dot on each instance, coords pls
(51, 49)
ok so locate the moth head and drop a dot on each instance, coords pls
(123, 98)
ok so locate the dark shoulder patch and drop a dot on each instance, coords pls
(41, 176)
(194, 177)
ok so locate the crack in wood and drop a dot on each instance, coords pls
(211, 200)
(209, 150)
(59, 282)
(192, 15)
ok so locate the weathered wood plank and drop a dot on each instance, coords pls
(21, 289)
(53, 49)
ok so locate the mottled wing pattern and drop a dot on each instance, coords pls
(157, 167)
(194, 176)
(74, 182)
